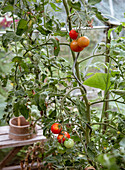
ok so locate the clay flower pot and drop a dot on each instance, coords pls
(20, 129)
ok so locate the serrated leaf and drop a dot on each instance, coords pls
(98, 80)
(93, 2)
(75, 5)
(43, 30)
(22, 27)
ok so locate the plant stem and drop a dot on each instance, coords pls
(83, 91)
(112, 100)
(77, 76)
(44, 44)
(106, 104)
(87, 58)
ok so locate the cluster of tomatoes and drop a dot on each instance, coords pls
(63, 137)
(78, 44)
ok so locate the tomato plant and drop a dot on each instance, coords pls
(69, 143)
(73, 34)
(63, 136)
(48, 82)
(56, 128)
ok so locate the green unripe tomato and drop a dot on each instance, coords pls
(69, 143)
(61, 149)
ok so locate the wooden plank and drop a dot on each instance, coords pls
(5, 137)
(6, 142)
(14, 143)
(4, 129)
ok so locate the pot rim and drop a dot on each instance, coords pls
(12, 125)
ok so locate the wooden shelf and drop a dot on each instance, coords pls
(6, 142)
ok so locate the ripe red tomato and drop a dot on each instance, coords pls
(73, 34)
(75, 47)
(63, 136)
(56, 128)
(83, 41)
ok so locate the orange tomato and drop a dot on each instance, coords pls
(75, 47)
(83, 41)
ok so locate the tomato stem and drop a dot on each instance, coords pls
(77, 77)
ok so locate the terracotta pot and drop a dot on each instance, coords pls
(20, 129)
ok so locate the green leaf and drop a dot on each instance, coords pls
(8, 8)
(16, 109)
(22, 27)
(98, 80)
(99, 14)
(10, 36)
(109, 32)
(49, 24)
(43, 30)
(17, 59)
(91, 154)
(93, 2)
(81, 108)
(118, 92)
(118, 29)
(52, 114)
(123, 24)
(60, 33)
(24, 111)
(101, 17)
(56, 8)
(75, 5)
(56, 46)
